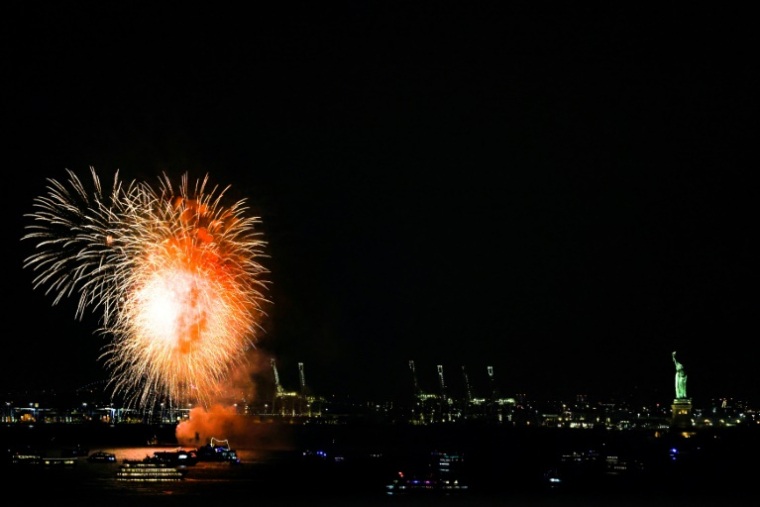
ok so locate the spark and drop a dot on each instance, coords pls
(174, 273)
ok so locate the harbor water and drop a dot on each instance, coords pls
(355, 466)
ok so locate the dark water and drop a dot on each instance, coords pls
(501, 468)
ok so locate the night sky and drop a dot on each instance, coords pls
(564, 195)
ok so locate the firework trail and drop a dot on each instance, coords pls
(174, 273)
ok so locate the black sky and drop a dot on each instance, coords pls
(563, 194)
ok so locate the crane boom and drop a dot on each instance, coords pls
(277, 384)
(302, 375)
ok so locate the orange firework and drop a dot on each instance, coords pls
(176, 273)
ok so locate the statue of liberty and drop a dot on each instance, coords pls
(680, 379)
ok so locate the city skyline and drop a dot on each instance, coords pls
(460, 384)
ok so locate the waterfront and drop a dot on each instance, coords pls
(352, 465)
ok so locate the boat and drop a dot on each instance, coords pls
(102, 457)
(20, 456)
(424, 484)
(146, 471)
(59, 462)
(26, 458)
(176, 458)
(217, 450)
(440, 473)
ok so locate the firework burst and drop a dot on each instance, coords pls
(174, 273)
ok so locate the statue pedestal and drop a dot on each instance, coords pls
(681, 415)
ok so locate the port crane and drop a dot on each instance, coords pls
(284, 401)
